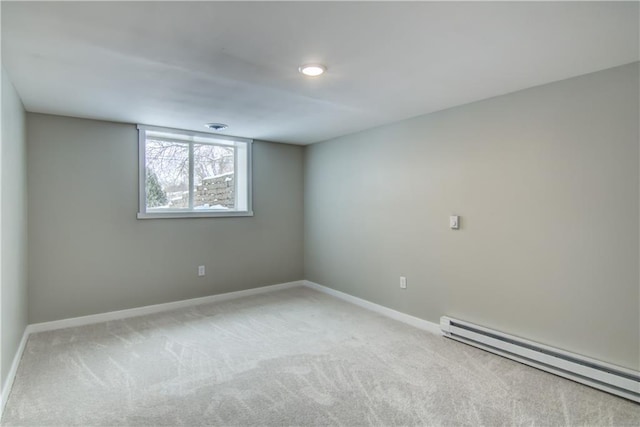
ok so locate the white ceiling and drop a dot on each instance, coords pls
(183, 64)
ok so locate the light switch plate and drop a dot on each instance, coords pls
(454, 222)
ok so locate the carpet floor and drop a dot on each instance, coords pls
(294, 357)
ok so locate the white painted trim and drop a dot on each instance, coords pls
(124, 314)
(213, 139)
(193, 214)
(416, 322)
(142, 173)
(6, 387)
(156, 308)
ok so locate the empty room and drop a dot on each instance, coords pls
(320, 213)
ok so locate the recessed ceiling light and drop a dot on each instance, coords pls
(312, 70)
(216, 126)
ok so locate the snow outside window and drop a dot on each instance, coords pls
(193, 174)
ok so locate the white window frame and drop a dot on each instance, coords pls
(191, 138)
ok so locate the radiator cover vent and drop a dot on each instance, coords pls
(603, 376)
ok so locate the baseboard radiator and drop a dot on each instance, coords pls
(610, 378)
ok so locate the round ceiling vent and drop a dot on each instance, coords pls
(216, 126)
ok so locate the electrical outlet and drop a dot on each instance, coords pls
(403, 282)
(201, 270)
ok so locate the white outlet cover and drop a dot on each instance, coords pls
(403, 282)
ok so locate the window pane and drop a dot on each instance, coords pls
(167, 182)
(190, 174)
(214, 177)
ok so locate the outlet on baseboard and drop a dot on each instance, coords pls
(403, 282)
(201, 270)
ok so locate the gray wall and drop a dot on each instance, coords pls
(546, 182)
(89, 254)
(13, 230)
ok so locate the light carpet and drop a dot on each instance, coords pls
(294, 357)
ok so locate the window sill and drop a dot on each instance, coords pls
(167, 215)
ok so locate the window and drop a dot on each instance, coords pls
(193, 174)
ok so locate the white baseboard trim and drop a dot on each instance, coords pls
(124, 314)
(156, 308)
(416, 322)
(6, 387)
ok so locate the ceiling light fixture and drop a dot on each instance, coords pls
(312, 70)
(216, 126)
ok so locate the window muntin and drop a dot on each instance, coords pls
(193, 174)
